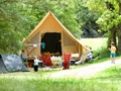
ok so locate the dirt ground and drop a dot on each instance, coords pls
(85, 72)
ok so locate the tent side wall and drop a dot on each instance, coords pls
(2, 66)
(11, 63)
(70, 45)
(33, 45)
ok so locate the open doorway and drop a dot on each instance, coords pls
(51, 42)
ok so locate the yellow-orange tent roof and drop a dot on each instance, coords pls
(47, 24)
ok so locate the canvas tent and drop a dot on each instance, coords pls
(11, 63)
(51, 37)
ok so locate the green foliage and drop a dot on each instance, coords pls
(95, 5)
(102, 52)
(13, 25)
(85, 15)
(108, 20)
(66, 14)
(10, 34)
(18, 19)
(87, 18)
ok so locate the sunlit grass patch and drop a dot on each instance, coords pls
(95, 43)
(107, 80)
(38, 83)
(112, 74)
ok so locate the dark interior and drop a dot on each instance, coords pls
(52, 43)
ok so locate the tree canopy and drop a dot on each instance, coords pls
(19, 17)
(110, 19)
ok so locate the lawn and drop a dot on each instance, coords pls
(95, 43)
(108, 80)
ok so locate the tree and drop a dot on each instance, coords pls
(87, 19)
(10, 34)
(19, 17)
(110, 20)
(13, 25)
(66, 14)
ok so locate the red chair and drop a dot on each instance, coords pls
(30, 64)
(66, 61)
(46, 60)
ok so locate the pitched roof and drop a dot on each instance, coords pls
(35, 30)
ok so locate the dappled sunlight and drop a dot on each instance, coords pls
(92, 42)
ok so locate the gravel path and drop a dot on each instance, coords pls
(85, 71)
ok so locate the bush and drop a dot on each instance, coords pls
(103, 52)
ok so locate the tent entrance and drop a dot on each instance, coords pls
(51, 43)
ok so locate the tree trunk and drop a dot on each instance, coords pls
(112, 36)
(109, 38)
(119, 31)
(119, 38)
(112, 31)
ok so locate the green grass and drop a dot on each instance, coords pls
(110, 77)
(108, 80)
(95, 43)
(98, 45)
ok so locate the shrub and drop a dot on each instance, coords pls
(102, 52)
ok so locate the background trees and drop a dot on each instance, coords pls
(10, 19)
(87, 20)
(19, 17)
(110, 20)
(92, 18)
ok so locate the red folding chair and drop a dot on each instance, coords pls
(46, 60)
(66, 61)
